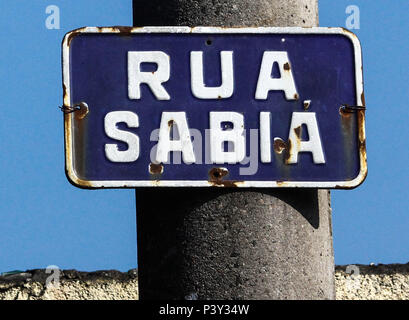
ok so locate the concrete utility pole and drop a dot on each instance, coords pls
(213, 243)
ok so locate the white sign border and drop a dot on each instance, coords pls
(69, 168)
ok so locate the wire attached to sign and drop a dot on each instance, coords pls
(82, 107)
(351, 109)
(69, 109)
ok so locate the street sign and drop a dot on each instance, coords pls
(239, 107)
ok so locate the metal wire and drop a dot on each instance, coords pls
(351, 109)
(69, 109)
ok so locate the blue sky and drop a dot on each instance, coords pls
(44, 220)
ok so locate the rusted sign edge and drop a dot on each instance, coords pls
(68, 134)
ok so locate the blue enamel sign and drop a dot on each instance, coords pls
(241, 107)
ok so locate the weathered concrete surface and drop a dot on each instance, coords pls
(73, 285)
(238, 244)
(270, 244)
(227, 13)
(380, 282)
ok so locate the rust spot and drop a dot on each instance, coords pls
(362, 138)
(218, 173)
(288, 150)
(227, 183)
(82, 112)
(216, 176)
(363, 99)
(219, 97)
(306, 104)
(124, 30)
(171, 123)
(298, 132)
(279, 145)
(72, 35)
(155, 169)
(280, 183)
(361, 124)
(345, 114)
(296, 96)
(64, 91)
(287, 66)
(347, 32)
(362, 145)
(289, 145)
(74, 180)
(346, 123)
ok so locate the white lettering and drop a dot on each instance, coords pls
(285, 83)
(265, 137)
(199, 89)
(111, 150)
(183, 144)
(218, 136)
(313, 145)
(153, 79)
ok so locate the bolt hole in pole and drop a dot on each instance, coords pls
(209, 42)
